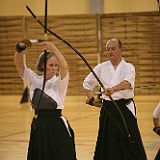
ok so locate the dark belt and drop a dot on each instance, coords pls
(48, 112)
(119, 102)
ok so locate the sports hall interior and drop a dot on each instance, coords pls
(86, 25)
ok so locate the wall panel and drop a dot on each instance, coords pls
(139, 32)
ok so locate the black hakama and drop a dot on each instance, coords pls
(113, 142)
(50, 139)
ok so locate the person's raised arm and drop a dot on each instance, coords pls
(19, 55)
(156, 114)
(63, 66)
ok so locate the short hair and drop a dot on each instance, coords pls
(40, 62)
(117, 40)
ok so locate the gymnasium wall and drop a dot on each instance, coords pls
(65, 7)
(135, 22)
(88, 33)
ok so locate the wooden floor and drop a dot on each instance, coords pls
(15, 122)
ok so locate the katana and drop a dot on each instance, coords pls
(81, 56)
